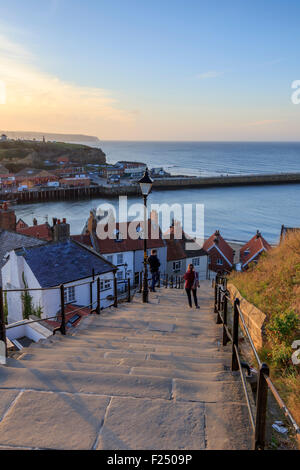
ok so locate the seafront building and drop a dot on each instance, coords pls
(253, 249)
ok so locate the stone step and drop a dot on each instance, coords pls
(85, 382)
(166, 372)
(132, 347)
(217, 365)
(69, 365)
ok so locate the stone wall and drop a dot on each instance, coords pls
(254, 318)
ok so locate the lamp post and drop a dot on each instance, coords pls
(146, 186)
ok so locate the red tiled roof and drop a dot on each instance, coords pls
(126, 243)
(21, 224)
(256, 245)
(218, 241)
(42, 231)
(70, 311)
(175, 250)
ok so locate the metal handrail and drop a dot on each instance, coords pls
(264, 382)
(245, 388)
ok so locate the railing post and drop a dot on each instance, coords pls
(98, 309)
(62, 327)
(128, 289)
(167, 280)
(91, 294)
(261, 407)
(115, 292)
(2, 329)
(216, 295)
(141, 282)
(172, 282)
(235, 336)
(225, 309)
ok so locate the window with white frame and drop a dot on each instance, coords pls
(120, 258)
(69, 294)
(219, 262)
(105, 284)
(110, 258)
(119, 275)
(196, 261)
(176, 265)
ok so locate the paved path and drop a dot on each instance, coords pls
(148, 376)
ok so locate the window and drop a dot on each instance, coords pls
(176, 265)
(120, 258)
(247, 252)
(69, 294)
(196, 261)
(110, 258)
(220, 262)
(105, 284)
(119, 275)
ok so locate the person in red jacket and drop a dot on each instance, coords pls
(191, 284)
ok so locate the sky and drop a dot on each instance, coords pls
(196, 70)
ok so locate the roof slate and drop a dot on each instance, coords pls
(59, 263)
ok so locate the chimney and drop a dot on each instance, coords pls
(34, 221)
(8, 220)
(54, 220)
(258, 234)
(217, 234)
(61, 231)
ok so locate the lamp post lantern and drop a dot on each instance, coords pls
(146, 186)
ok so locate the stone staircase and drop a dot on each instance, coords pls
(143, 376)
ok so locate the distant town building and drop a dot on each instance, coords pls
(3, 138)
(30, 177)
(221, 255)
(252, 250)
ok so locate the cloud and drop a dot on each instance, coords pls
(210, 74)
(39, 101)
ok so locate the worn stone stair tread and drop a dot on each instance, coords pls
(85, 382)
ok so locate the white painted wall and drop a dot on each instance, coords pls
(201, 268)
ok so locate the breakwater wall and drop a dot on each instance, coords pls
(171, 183)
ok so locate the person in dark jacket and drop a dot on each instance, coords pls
(154, 268)
(191, 284)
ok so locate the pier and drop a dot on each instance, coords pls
(170, 183)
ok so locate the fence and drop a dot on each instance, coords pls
(94, 306)
(258, 422)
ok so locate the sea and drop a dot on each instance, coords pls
(236, 211)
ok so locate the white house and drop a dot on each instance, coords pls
(3, 138)
(182, 251)
(48, 266)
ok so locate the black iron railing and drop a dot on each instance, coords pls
(129, 289)
(264, 383)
